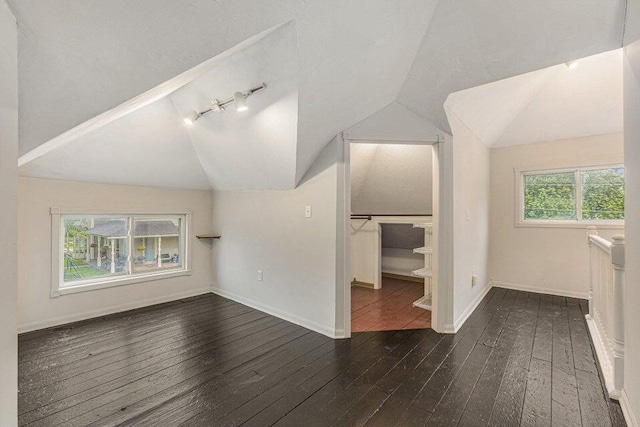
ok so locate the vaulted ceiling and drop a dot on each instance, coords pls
(343, 61)
(558, 102)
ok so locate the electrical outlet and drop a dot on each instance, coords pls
(307, 211)
(260, 275)
(474, 279)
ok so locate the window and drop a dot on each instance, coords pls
(96, 251)
(580, 196)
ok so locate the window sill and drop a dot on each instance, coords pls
(120, 281)
(570, 224)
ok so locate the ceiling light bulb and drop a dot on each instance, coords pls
(571, 65)
(191, 117)
(241, 101)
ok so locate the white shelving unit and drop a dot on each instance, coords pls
(423, 272)
(423, 225)
(426, 273)
(423, 250)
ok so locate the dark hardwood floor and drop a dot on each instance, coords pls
(520, 359)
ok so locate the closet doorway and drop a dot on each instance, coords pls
(391, 235)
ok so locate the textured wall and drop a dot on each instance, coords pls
(391, 179)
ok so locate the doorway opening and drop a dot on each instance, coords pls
(391, 234)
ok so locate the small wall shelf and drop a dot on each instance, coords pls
(208, 236)
(423, 272)
(423, 250)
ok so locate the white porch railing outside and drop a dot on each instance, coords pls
(606, 306)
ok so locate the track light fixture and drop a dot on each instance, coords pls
(191, 117)
(239, 98)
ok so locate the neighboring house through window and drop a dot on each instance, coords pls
(98, 250)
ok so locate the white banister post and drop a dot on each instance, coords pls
(618, 261)
(591, 231)
(87, 254)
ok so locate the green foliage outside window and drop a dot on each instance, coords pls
(603, 194)
(552, 196)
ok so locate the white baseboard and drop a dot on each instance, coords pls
(455, 327)
(75, 317)
(629, 416)
(603, 358)
(540, 290)
(305, 323)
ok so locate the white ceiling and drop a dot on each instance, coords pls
(394, 123)
(152, 146)
(550, 104)
(473, 42)
(82, 58)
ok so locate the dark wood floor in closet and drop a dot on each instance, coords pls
(520, 359)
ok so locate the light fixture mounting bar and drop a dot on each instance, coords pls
(219, 106)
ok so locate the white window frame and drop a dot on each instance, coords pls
(520, 221)
(58, 287)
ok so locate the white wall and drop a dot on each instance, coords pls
(631, 393)
(268, 231)
(391, 179)
(548, 260)
(365, 245)
(36, 309)
(470, 213)
(8, 233)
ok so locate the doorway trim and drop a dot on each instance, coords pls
(438, 285)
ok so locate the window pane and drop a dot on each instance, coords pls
(550, 196)
(603, 194)
(157, 243)
(94, 247)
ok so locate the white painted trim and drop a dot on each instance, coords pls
(289, 317)
(539, 290)
(603, 358)
(468, 311)
(609, 225)
(75, 317)
(520, 221)
(343, 240)
(364, 139)
(116, 281)
(57, 250)
(629, 416)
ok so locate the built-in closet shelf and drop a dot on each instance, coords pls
(423, 225)
(423, 250)
(423, 272)
(424, 302)
(208, 236)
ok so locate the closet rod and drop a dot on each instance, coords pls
(369, 216)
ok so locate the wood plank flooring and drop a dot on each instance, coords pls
(388, 309)
(521, 359)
